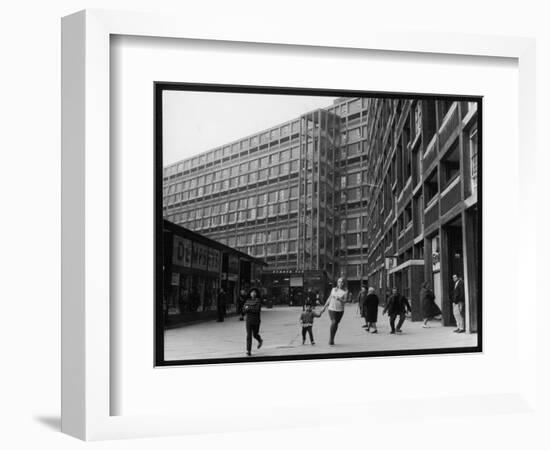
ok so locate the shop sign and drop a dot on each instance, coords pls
(200, 256)
(296, 281)
(214, 260)
(287, 271)
(175, 279)
(181, 253)
(390, 262)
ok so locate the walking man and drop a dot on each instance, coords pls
(222, 301)
(252, 309)
(397, 306)
(458, 303)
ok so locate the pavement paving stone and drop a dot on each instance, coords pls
(281, 332)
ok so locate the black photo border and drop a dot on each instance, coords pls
(160, 86)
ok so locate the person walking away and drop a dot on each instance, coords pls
(306, 319)
(222, 302)
(335, 303)
(240, 303)
(362, 306)
(252, 310)
(458, 303)
(396, 306)
(371, 310)
(430, 310)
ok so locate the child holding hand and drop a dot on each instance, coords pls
(306, 319)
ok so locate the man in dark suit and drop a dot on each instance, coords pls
(222, 301)
(458, 303)
(397, 306)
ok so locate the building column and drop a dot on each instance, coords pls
(469, 233)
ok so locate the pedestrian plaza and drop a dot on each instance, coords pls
(281, 332)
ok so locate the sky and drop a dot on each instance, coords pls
(197, 121)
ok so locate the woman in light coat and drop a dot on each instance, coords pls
(335, 303)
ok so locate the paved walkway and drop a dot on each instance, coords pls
(281, 332)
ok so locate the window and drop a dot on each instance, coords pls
(274, 171)
(294, 166)
(262, 199)
(354, 134)
(285, 155)
(352, 239)
(407, 215)
(354, 179)
(292, 246)
(473, 158)
(418, 118)
(444, 106)
(450, 165)
(293, 205)
(353, 194)
(430, 187)
(260, 212)
(295, 152)
(352, 270)
(273, 196)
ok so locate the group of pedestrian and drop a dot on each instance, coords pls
(396, 307)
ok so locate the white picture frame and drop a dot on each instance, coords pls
(86, 251)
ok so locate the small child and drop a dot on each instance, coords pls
(306, 319)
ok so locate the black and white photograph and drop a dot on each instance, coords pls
(297, 224)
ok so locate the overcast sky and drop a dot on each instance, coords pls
(197, 121)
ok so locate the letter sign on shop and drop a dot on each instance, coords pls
(200, 256)
(181, 252)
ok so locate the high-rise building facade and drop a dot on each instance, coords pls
(373, 189)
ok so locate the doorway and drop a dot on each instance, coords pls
(454, 261)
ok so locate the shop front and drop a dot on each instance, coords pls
(295, 287)
(196, 268)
